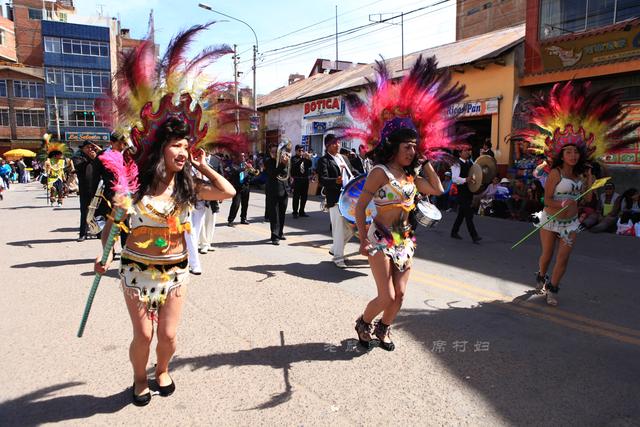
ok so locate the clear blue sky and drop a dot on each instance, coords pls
(282, 23)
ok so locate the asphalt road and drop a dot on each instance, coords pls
(267, 334)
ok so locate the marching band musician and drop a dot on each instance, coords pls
(300, 171)
(460, 177)
(335, 171)
(276, 192)
(239, 174)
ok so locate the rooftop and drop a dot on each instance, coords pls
(462, 52)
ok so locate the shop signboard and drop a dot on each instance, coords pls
(323, 107)
(630, 155)
(474, 108)
(592, 50)
(86, 136)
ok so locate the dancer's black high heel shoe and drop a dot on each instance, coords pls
(383, 333)
(365, 335)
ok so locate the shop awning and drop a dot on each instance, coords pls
(467, 51)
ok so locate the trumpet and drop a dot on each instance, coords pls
(283, 155)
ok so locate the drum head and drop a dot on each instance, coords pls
(427, 214)
(349, 197)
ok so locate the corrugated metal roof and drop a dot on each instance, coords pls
(462, 52)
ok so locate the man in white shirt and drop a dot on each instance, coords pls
(460, 177)
(334, 172)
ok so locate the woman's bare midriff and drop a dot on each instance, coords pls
(390, 216)
(178, 245)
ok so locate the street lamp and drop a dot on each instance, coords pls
(255, 48)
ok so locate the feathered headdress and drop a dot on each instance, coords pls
(148, 92)
(419, 101)
(51, 146)
(577, 114)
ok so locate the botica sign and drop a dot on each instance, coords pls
(474, 108)
(323, 107)
(591, 50)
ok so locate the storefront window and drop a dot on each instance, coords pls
(562, 17)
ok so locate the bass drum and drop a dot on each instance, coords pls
(427, 214)
(349, 197)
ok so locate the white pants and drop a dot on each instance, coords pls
(197, 220)
(208, 229)
(340, 231)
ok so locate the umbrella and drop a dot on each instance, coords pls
(19, 152)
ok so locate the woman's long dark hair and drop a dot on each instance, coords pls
(387, 150)
(579, 168)
(184, 193)
(627, 198)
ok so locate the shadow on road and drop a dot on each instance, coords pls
(277, 357)
(39, 242)
(65, 230)
(531, 372)
(325, 270)
(54, 263)
(31, 410)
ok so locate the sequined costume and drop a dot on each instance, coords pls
(398, 243)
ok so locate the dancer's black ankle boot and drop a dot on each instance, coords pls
(383, 333)
(364, 330)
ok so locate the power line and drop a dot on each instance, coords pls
(351, 30)
(301, 50)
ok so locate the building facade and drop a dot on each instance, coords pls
(476, 17)
(77, 67)
(587, 40)
(487, 65)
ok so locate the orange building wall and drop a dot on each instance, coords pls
(491, 82)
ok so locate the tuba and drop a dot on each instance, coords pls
(95, 224)
(284, 155)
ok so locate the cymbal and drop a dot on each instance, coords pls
(475, 175)
(489, 168)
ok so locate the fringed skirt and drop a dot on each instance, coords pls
(152, 283)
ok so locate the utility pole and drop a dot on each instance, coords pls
(336, 37)
(235, 84)
(387, 20)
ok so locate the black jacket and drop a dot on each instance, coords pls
(328, 173)
(274, 186)
(300, 167)
(88, 175)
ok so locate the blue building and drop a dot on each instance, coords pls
(77, 68)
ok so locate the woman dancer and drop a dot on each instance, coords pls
(154, 261)
(405, 123)
(572, 125)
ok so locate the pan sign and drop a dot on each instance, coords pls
(474, 108)
(323, 107)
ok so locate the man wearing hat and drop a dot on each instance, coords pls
(87, 171)
(300, 171)
(334, 171)
(460, 177)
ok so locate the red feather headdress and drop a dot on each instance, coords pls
(419, 101)
(577, 114)
(147, 92)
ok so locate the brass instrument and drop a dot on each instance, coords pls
(284, 155)
(95, 225)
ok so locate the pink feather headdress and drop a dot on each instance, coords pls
(577, 114)
(419, 101)
(147, 92)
